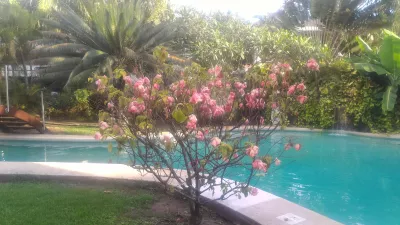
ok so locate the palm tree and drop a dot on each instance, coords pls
(17, 27)
(334, 22)
(96, 37)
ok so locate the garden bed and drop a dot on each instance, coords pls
(42, 203)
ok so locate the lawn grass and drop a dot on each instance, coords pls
(57, 204)
(73, 130)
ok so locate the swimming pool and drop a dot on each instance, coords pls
(351, 179)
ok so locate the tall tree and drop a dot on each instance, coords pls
(334, 22)
(96, 37)
(18, 25)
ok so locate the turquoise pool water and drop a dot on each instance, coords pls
(354, 180)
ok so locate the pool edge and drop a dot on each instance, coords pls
(88, 138)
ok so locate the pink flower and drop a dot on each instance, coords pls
(182, 84)
(117, 129)
(110, 105)
(98, 136)
(312, 65)
(259, 165)
(246, 121)
(228, 85)
(272, 77)
(200, 135)
(274, 105)
(253, 191)
(212, 103)
(262, 120)
(252, 151)
(170, 100)
(156, 86)
(103, 125)
(196, 98)
(205, 90)
(275, 68)
(158, 76)
(277, 162)
(191, 124)
(297, 147)
(286, 67)
(240, 87)
(231, 97)
(301, 99)
(262, 84)
(218, 83)
(99, 84)
(218, 71)
(291, 90)
(218, 111)
(288, 146)
(254, 100)
(228, 107)
(241, 105)
(301, 87)
(235, 156)
(136, 107)
(128, 80)
(146, 81)
(215, 141)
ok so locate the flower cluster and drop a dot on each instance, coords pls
(255, 99)
(312, 65)
(301, 98)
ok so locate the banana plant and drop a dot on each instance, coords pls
(384, 61)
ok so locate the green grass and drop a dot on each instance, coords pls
(56, 204)
(74, 130)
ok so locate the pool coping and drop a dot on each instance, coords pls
(84, 138)
(265, 208)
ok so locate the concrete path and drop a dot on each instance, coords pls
(264, 208)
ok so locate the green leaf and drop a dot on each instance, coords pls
(364, 46)
(371, 68)
(389, 98)
(187, 109)
(389, 52)
(179, 116)
(225, 150)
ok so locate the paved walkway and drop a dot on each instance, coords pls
(264, 208)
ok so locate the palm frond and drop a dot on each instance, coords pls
(49, 78)
(81, 79)
(56, 60)
(65, 49)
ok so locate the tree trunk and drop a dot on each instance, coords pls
(195, 214)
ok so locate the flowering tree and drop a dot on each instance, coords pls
(192, 132)
(313, 68)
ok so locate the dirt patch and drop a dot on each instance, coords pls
(168, 209)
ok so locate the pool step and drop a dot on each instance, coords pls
(12, 123)
(18, 120)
